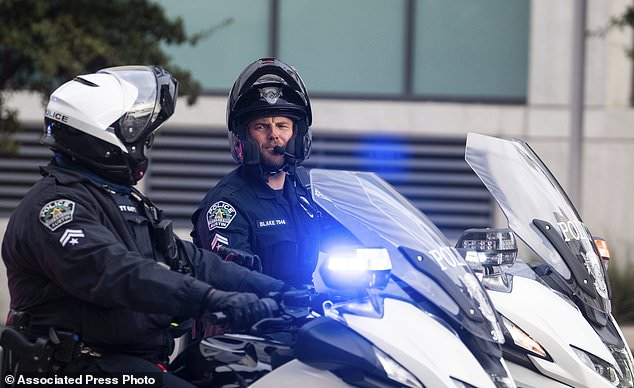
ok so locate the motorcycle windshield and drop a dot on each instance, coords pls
(425, 267)
(541, 214)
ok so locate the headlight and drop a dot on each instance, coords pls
(624, 362)
(396, 372)
(602, 367)
(488, 247)
(523, 340)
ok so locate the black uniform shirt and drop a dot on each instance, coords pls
(280, 226)
(81, 257)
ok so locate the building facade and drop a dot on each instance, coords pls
(413, 77)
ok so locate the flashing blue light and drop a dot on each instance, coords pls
(386, 153)
(362, 260)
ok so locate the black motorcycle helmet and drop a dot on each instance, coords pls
(268, 87)
(106, 121)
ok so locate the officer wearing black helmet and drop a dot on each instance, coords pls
(262, 210)
(94, 268)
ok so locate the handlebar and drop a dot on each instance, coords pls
(286, 310)
(223, 317)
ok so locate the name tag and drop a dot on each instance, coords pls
(127, 208)
(271, 223)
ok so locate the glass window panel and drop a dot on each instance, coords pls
(471, 48)
(352, 46)
(217, 60)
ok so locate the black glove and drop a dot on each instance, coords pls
(242, 308)
(239, 257)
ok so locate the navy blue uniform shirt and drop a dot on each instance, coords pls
(81, 257)
(280, 226)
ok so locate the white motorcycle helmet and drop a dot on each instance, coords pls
(106, 121)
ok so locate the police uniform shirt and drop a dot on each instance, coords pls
(81, 257)
(280, 226)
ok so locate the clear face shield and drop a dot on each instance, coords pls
(154, 104)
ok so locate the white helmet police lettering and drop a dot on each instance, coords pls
(106, 120)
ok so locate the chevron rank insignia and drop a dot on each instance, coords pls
(71, 237)
(219, 240)
(57, 213)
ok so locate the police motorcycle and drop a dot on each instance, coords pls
(556, 306)
(398, 306)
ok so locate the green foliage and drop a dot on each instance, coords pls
(45, 43)
(624, 20)
(622, 283)
(8, 126)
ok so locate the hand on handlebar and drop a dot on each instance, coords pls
(242, 309)
(296, 302)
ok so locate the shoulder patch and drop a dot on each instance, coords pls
(57, 213)
(220, 215)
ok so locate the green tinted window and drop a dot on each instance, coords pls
(217, 60)
(462, 48)
(471, 48)
(352, 46)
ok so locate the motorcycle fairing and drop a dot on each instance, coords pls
(378, 216)
(539, 211)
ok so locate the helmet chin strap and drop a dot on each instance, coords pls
(290, 161)
(284, 167)
(254, 162)
(267, 172)
(259, 169)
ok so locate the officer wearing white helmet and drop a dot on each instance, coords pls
(93, 265)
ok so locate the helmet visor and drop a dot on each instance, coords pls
(156, 90)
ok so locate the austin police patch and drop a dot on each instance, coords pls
(220, 215)
(57, 213)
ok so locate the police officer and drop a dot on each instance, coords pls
(89, 255)
(263, 207)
